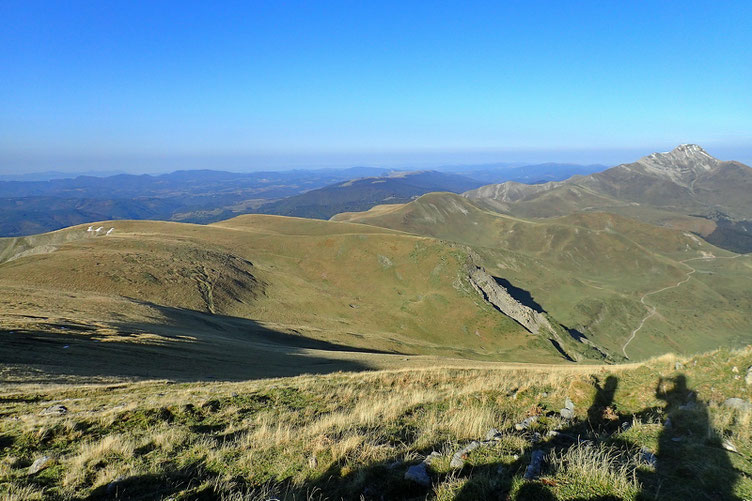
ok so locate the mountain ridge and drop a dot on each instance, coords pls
(685, 188)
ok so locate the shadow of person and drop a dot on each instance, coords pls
(690, 461)
(604, 397)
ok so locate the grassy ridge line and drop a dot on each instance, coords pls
(341, 436)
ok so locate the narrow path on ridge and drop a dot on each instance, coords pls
(652, 310)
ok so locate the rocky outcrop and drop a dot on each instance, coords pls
(498, 296)
(532, 320)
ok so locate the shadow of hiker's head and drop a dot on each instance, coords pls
(673, 390)
(610, 386)
(671, 387)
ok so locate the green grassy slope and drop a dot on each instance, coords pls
(247, 293)
(590, 271)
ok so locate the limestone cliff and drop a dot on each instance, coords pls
(498, 296)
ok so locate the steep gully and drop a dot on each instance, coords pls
(652, 310)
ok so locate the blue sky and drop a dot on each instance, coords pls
(249, 85)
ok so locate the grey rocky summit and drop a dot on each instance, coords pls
(681, 165)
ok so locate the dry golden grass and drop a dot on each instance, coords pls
(342, 435)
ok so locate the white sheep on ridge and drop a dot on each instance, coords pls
(109, 231)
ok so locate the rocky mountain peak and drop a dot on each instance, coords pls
(681, 165)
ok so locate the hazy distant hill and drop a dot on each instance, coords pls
(199, 196)
(362, 194)
(529, 174)
(36, 203)
(684, 188)
(260, 184)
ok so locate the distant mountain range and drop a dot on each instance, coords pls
(362, 194)
(203, 196)
(529, 174)
(685, 188)
(198, 196)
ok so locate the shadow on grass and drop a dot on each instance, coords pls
(695, 467)
(183, 345)
(690, 462)
(155, 485)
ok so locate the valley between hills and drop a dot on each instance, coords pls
(272, 356)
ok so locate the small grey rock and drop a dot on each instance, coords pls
(678, 366)
(493, 434)
(568, 404)
(533, 470)
(737, 403)
(729, 446)
(525, 423)
(458, 460)
(431, 458)
(566, 413)
(536, 438)
(40, 464)
(626, 425)
(419, 474)
(557, 433)
(649, 457)
(55, 410)
(544, 394)
(748, 377)
(113, 486)
(735, 370)
(667, 423)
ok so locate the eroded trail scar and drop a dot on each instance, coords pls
(652, 309)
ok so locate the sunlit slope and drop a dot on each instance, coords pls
(591, 270)
(256, 278)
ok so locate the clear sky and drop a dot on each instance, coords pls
(247, 85)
